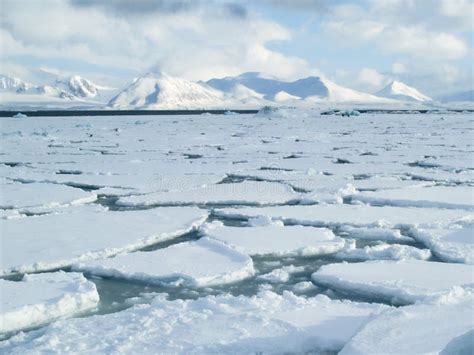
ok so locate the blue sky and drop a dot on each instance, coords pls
(362, 44)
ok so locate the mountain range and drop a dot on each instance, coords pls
(157, 90)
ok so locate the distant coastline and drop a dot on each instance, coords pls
(66, 113)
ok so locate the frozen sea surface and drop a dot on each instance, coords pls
(283, 232)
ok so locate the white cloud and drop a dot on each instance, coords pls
(398, 68)
(366, 80)
(415, 28)
(195, 44)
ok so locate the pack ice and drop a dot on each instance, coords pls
(245, 193)
(21, 196)
(401, 282)
(459, 197)
(441, 326)
(213, 324)
(38, 299)
(277, 239)
(57, 240)
(450, 245)
(201, 263)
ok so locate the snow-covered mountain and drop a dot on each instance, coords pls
(62, 92)
(11, 84)
(161, 91)
(156, 90)
(78, 86)
(311, 89)
(400, 91)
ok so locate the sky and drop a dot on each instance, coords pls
(361, 44)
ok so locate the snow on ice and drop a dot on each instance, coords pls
(277, 239)
(267, 322)
(451, 245)
(372, 207)
(42, 298)
(201, 263)
(405, 281)
(441, 326)
(57, 240)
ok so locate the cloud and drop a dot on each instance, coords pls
(398, 68)
(151, 7)
(196, 44)
(366, 80)
(419, 28)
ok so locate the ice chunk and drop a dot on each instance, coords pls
(451, 245)
(277, 239)
(57, 240)
(432, 328)
(383, 252)
(282, 274)
(42, 298)
(204, 262)
(462, 344)
(247, 192)
(42, 195)
(454, 197)
(354, 215)
(267, 323)
(401, 282)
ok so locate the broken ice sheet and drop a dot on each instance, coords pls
(245, 193)
(453, 197)
(401, 282)
(277, 239)
(17, 196)
(200, 263)
(354, 215)
(382, 251)
(42, 298)
(450, 245)
(260, 323)
(422, 328)
(57, 240)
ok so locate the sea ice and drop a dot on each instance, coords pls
(277, 239)
(42, 298)
(245, 193)
(451, 245)
(383, 252)
(18, 196)
(454, 197)
(57, 240)
(200, 263)
(354, 215)
(401, 282)
(440, 326)
(282, 274)
(266, 322)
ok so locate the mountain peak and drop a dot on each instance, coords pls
(401, 91)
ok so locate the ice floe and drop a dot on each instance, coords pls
(57, 240)
(354, 215)
(405, 281)
(266, 322)
(441, 326)
(200, 263)
(18, 196)
(282, 274)
(245, 193)
(451, 245)
(455, 197)
(383, 251)
(277, 239)
(42, 298)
